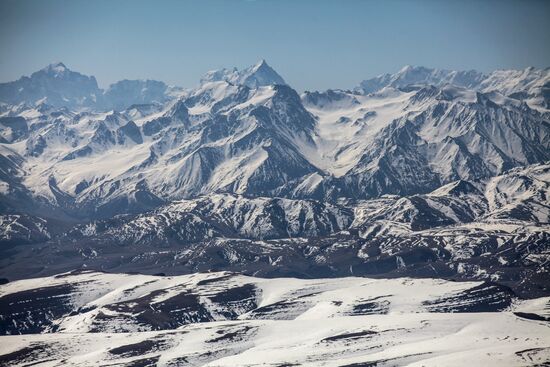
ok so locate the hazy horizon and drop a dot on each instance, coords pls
(313, 45)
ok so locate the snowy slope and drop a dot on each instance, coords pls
(220, 319)
(403, 142)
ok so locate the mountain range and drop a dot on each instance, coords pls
(58, 86)
(423, 172)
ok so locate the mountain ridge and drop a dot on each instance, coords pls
(242, 173)
(267, 140)
(59, 86)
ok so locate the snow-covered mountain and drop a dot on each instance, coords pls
(400, 141)
(530, 84)
(418, 75)
(58, 86)
(491, 230)
(258, 75)
(222, 138)
(242, 158)
(518, 195)
(246, 132)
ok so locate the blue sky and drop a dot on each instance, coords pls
(312, 44)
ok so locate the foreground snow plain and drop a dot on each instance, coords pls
(234, 320)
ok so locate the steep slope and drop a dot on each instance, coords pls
(413, 140)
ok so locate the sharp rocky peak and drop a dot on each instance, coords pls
(56, 67)
(257, 75)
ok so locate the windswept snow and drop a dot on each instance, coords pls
(231, 320)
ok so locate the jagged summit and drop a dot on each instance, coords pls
(261, 63)
(263, 67)
(415, 69)
(58, 70)
(55, 85)
(56, 67)
(257, 75)
(261, 74)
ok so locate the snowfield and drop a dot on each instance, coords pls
(223, 319)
